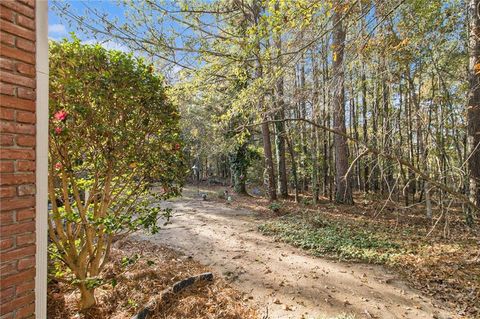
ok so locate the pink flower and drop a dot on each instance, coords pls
(58, 130)
(61, 115)
(58, 166)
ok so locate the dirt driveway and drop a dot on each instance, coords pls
(281, 279)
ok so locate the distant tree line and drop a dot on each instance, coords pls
(333, 97)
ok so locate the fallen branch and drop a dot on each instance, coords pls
(168, 293)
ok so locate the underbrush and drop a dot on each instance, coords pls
(323, 237)
(139, 271)
(447, 269)
(443, 261)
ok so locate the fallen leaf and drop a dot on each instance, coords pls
(286, 308)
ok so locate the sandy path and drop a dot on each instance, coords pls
(281, 278)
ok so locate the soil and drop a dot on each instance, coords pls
(279, 280)
(140, 271)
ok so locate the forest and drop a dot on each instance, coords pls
(321, 98)
(351, 126)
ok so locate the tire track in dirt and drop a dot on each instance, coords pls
(283, 279)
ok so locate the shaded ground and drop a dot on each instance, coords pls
(139, 271)
(280, 279)
(441, 257)
(447, 269)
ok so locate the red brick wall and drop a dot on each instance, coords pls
(17, 158)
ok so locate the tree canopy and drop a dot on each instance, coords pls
(335, 96)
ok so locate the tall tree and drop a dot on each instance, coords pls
(269, 178)
(219, 42)
(343, 193)
(473, 107)
(279, 117)
(315, 137)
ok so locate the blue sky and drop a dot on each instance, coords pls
(59, 28)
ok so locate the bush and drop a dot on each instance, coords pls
(221, 194)
(275, 207)
(306, 202)
(113, 133)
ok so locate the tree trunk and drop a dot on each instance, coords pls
(314, 153)
(387, 141)
(269, 176)
(343, 192)
(269, 169)
(294, 167)
(280, 125)
(423, 163)
(87, 297)
(326, 122)
(280, 154)
(400, 130)
(354, 123)
(303, 129)
(473, 107)
(238, 165)
(374, 175)
(366, 168)
(411, 152)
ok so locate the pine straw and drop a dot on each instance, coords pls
(156, 269)
(450, 273)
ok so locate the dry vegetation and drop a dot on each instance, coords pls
(139, 271)
(444, 262)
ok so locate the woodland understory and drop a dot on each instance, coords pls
(328, 98)
(357, 121)
(438, 257)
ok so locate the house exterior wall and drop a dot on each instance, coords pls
(41, 151)
(18, 158)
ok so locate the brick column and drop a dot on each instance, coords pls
(17, 158)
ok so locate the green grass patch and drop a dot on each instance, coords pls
(323, 237)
